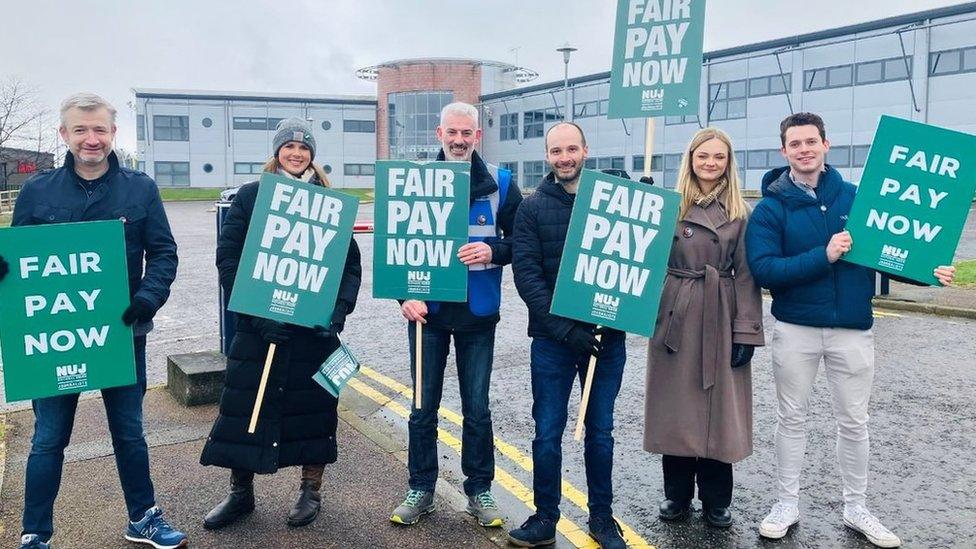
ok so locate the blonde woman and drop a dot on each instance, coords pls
(698, 409)
(298, 418)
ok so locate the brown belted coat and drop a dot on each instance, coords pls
(696, 404)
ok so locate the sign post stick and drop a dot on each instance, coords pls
(587, 385)
(417, 393)
(649, 147)
(261, 386)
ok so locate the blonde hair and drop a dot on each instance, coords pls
(735, 205)
(272, 166)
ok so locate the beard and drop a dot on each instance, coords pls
(570, 179)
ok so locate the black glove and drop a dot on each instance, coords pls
(4, 267)
(582, 341)
(336, 326)
(139, 310)
(741, 354)
(272, 331)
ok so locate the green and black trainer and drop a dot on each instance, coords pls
(483, 508)
(415, 505)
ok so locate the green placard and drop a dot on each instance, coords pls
(294, 253)
(616, 254)
(913, 199)
(657, 58)
(421, 220)
(61, 307)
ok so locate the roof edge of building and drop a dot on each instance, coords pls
(162, 93)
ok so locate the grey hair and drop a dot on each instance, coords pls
(86, 102)
(461, 109)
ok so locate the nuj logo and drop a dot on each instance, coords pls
(652, 94)
(892, 251)
(605, 299)
(72, 370)
(282, 295)
(418, 276)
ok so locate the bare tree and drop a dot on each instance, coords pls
(20, 111)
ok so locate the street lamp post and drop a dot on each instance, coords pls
(566, 49)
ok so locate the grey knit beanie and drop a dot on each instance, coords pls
(293, 129)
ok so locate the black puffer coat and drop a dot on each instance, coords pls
(540, 233)
(297, 425)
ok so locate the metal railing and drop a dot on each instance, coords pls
(7, 200)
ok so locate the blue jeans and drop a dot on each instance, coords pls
(53, 420)
(555, 368)
(475, 351)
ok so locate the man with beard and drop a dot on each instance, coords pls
(561, 351)
(494, 201)
(92, 186)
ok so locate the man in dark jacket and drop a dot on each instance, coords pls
(91, 186)
(561, 351)
(494, 200)
(795, 242)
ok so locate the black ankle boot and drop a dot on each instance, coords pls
(672, 510)
(719, 517)
(238, 503)
(309, 501)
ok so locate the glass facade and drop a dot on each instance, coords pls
(413, 117)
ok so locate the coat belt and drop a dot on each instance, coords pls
(710, 317)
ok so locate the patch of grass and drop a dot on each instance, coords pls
(965, 273)
(190, 193)
(362, 194)
(5, 219)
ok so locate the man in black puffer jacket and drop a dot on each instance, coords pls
(561, 351)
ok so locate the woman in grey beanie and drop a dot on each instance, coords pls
(298, 425)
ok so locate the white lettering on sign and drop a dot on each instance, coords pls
(292, 200)
(899, 225)
(302, 238)
(288, 271)
(65, 340)
(62, 302)
(72, 264)
(416, 252)
(426, 182)
(422, 217)
(610, 275)
(943, 166)
(657, 10)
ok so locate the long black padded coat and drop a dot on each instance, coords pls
(297, 425)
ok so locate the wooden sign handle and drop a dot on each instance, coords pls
(261, 387)
(418, 366)
(587, 385)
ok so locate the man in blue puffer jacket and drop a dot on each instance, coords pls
(795, 242)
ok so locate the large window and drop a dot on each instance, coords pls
(248, 168)
(533, 171)
(512, 167)
(604, 163)
(839, 156)
(256, 123)
(828, 77)
(172, 174)
(588, 109)
(171, 128)
(686, 119)
(727, 100)
(413, 117)
(534, 122)
(638, 163)
(359, 169)
(860, 155)
(952, 61)
(509, 127)
(672, 164)
(359, 126)
(774, 84)
(140, 127)
(882, 70)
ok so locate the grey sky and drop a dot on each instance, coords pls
(304, 46)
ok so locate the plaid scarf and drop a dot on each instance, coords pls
(705, 200)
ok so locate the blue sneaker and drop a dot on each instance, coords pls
(536, 532)
(154, 530)
(32, 541)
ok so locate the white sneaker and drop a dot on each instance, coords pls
(777, 523)
(857, 517)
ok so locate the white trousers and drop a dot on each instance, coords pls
(848, 357)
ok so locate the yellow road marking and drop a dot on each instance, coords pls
(566, 527)
(571, 493)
